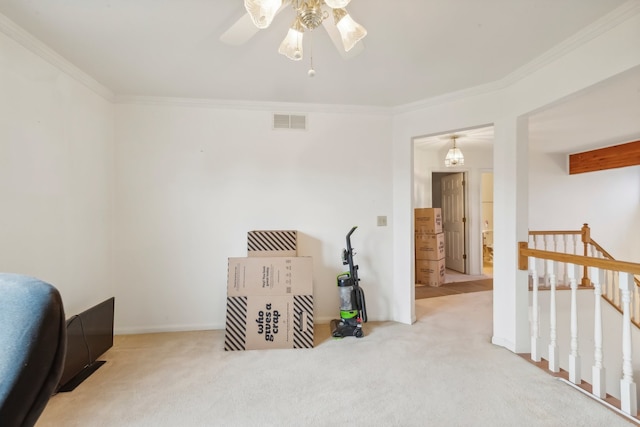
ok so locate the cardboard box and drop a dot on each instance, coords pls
(262, 322)
(431, 273)
(429, 246)
(269, 303)
(272, 243)
(428, 220)
(270, 276)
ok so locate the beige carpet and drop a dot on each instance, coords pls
(453, 288)
(441, 371)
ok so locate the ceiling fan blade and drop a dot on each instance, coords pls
(335, 37)
(243, 29)
(240, 32)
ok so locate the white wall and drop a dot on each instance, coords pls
(56, 171)
(193, 180)
(611, 206)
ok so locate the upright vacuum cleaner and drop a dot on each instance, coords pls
(353, 310)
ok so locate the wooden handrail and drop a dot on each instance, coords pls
(605, 264)
(600, 249)
(554, 232)
(586, 239)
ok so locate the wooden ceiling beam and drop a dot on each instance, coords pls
(616, 156)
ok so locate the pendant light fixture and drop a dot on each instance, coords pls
(454, 155)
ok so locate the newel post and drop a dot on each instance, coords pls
(585, 233)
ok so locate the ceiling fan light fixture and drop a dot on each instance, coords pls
(291, 46)
(350, 31)
(454, 155)
(262, 12)
(337, 4)
(310, 14)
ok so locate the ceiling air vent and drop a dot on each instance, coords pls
(289, 121)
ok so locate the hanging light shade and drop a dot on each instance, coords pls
(350, 31)
(454, 155)
(337, 4)
(262, 12)
(291, 46)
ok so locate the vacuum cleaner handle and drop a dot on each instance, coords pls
(349, 238)
(353, 269)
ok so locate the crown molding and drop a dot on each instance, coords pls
(34, 45)
(607, 22)
(602, 25)
(251, 105)
(450, 97)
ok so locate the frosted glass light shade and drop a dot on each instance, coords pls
(336, 4)
(350, 31)
(262, 12)
(291, 46)
(454, 157)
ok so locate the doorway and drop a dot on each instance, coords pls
(464, 258)
(486, 197)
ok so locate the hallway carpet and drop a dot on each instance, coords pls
(454, 288)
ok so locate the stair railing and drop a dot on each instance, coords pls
(573, 267)
(579, 242)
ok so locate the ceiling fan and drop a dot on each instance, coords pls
(345, 33)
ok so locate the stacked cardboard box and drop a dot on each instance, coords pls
(272, 243)
(269, 294)
(429, 247)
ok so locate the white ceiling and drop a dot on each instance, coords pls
(414, 50)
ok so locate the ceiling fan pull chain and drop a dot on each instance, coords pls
(311, 71)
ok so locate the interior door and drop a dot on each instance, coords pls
(453, 221)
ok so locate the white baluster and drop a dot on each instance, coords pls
(553, 344)
(565, 276)
(535, 312)
(617, 294)
(556, 265)
(544, 263)
(598, 372)
(607, 284)
(574, 356)
(635, 302)
(628, 400)
(613, 287)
